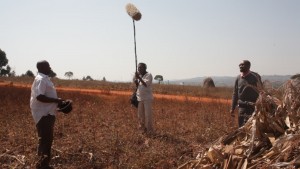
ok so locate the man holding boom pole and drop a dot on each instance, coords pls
(143, 82)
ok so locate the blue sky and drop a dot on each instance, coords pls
(178, 39)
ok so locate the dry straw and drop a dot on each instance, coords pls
(270, 138)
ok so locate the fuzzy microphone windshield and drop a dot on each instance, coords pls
(133, 12)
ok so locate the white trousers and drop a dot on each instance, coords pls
(145, 116)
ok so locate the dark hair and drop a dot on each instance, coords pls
(247, 62)
(144, 64)
(40, 64)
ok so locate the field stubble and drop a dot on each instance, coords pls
(102, 132)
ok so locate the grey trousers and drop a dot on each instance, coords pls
(145, 115)
(244, 115)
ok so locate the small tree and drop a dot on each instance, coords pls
(3, 62)
(8, 69)
(29, 73)
(3, 59)
(69, 74)
(5, 72)
(88, 78)
(208, 83)
(104, 79)
(159, 78)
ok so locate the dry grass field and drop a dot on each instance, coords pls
(102, 130)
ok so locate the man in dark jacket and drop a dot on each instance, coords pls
(245, 92)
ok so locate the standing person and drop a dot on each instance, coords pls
(43, 104)
(245, 92)
(143, 81)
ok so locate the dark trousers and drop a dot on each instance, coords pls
(45, 128)
(244, 115)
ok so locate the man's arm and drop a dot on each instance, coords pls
(234, 97)
(137, 75)
(45, 99)
(40, 89)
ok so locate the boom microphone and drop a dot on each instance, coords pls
(133, 12)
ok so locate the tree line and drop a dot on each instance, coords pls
(5, 70)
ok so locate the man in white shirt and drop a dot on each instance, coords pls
(143, 81)
(43, 104)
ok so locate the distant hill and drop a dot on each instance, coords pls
(228, 81)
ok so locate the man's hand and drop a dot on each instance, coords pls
(251, 104)
(232, 113)
(59, 101)
(137, 75)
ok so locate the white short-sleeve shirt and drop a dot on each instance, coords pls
(145, 93)
(42, 85)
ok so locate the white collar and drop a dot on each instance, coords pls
(42, 74)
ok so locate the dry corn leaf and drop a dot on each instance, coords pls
(265, 137)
